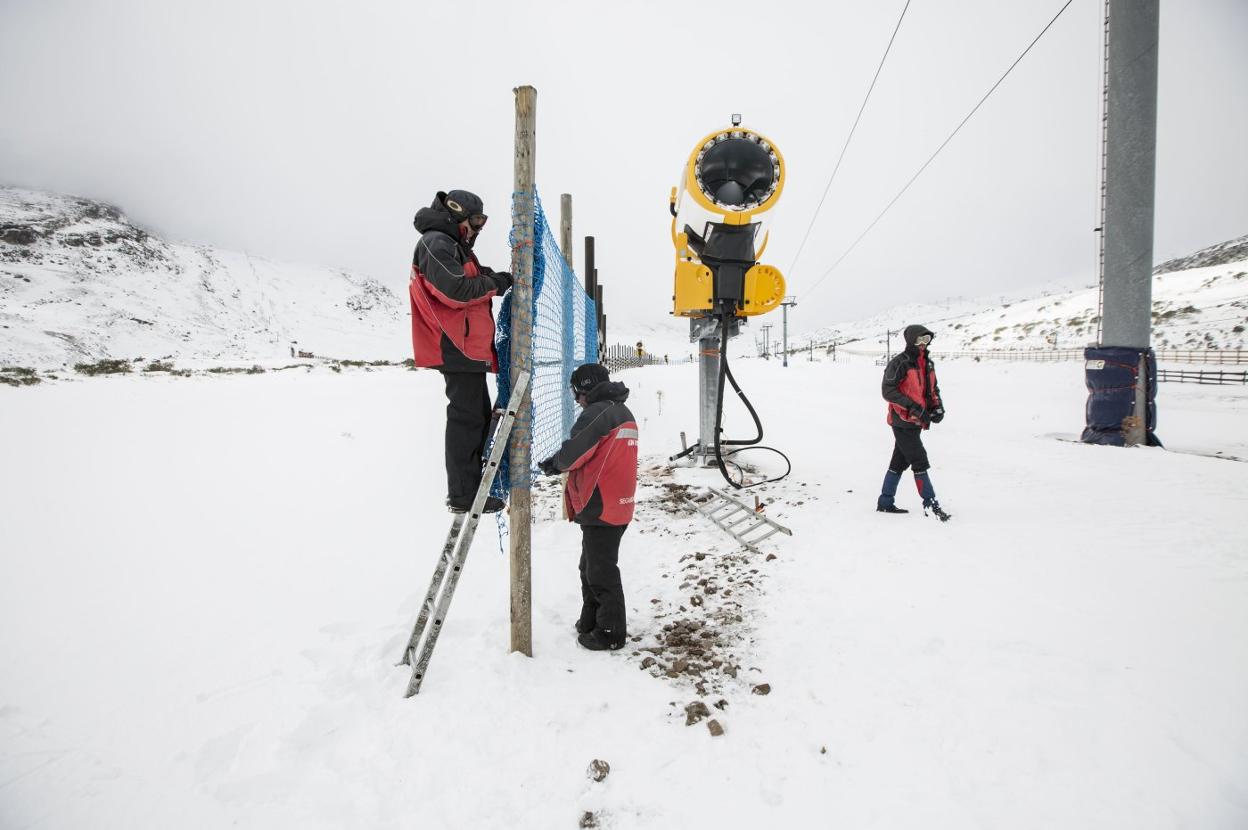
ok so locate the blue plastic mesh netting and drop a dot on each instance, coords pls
(565, 335)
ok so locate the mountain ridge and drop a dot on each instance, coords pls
(80, 281)
(1200, 301)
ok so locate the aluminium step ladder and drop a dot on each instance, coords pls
(738, 519)
(454, 551)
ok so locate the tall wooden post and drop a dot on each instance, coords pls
(523, 221)
(565, 228)
(569, 314)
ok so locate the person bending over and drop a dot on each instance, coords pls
(600, 459)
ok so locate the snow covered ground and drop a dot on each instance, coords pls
(205, 583)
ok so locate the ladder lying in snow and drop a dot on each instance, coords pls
(738, 519)
(455, 551)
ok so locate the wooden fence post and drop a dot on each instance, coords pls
(565, 228)
(523, 220)
(567, 413)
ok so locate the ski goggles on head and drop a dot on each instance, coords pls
(922, 340)
(477, 221)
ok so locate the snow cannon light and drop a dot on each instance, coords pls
(732, 177)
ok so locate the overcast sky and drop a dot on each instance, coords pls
(311, 131)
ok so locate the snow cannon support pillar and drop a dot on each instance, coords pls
(707, 333)
(708, 380)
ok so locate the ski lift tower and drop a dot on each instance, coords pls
(1121, 369)
(788, 301)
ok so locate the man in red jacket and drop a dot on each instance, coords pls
(914, 404)
(453, 332)
(600, 459)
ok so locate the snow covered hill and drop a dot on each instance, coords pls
(79, 281)
(1233, 250)
(1199, 302)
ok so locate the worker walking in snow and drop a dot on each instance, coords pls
(914, 404)
(453, 332)
(600, 459)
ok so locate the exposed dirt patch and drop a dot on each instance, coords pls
(693, 628)
(700, 637)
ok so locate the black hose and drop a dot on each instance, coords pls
(725, 373)
(683, 453)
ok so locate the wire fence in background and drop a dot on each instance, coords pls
(1223, 356)
(565, 335)
(1205, 377)
(620, 356)
(1214, 356)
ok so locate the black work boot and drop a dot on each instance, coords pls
(601, 639)
(464, 504)
(937, 511)
(890, 508)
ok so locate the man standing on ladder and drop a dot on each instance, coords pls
(600, 459)
(453, 332)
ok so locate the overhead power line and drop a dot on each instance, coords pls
(942, 146)
(848, 139)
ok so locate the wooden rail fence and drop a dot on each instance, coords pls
(1208, 377)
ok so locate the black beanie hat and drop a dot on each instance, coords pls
(462, 204)
(586, 377)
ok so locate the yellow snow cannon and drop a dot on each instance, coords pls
(732, 178)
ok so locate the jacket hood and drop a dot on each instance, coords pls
(439, 217)
(436, 217)
(913, 333)
(611, 390)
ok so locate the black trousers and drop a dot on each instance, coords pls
(602, 593)
(467, 430)
(908, 450)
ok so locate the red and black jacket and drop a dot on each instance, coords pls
(601, 459)
(452, 321)
(910, 384)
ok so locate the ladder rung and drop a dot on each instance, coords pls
(729, 509)
(771, 531)
(746, 518)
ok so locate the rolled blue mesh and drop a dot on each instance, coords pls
(565, 335)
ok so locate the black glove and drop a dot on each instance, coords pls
(502, 281)
(548, 466)
(938, 415)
